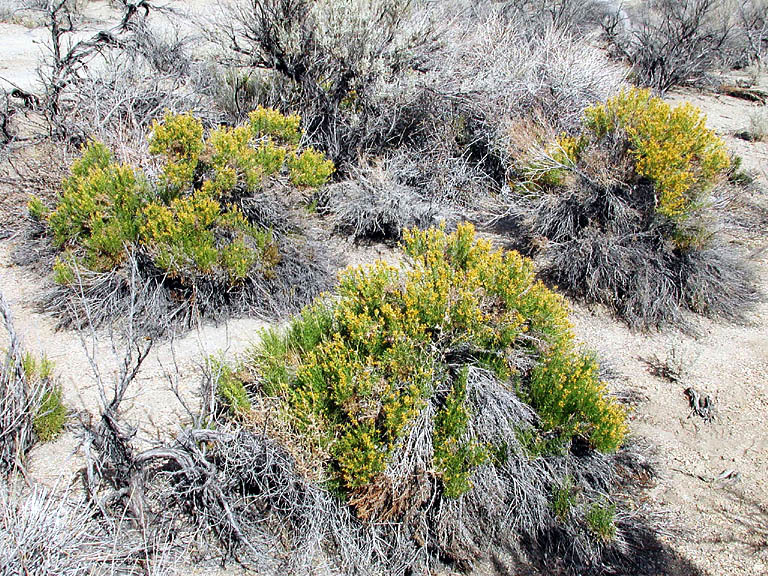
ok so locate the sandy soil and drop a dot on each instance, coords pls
(720, 525)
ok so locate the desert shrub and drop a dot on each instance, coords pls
(44, 533)
(624, 213)
(403, 402)
(51, 414)
(671, 43)
(579, 15)
(229, 387)
(354, 373)
(362, 44)
(143, 69)
(563, 500)
(31, 407)
(194, 225)
(380, 200)
(671, 147)
(757, 131)
(412, 100)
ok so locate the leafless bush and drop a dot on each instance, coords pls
(112, 84)
(753, 31)
(671, 43)
(329, 60)
(440, 120)
(378, 75)
(379, 201)
(562, 14)
(43, 534)
(117, 105)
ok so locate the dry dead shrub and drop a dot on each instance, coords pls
(111, 84)
(675, 43)
(42, 533)
(434, 118)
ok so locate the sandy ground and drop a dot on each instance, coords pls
(720, 525)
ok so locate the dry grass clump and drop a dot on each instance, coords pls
(210, 228)
(31, 407)
(622, 214)
(43, 534)
(380, 200)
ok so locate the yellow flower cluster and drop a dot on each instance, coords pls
(672, 147)
(566, 391)
(179, 137)
(353, 373)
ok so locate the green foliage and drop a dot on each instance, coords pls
(99, 208)
(537, 443)
(353, 373)
(601, 520)
(270, 123)
(310, 169)
(235, 160)
(563, 499)
(189, 223)
(179, 138)
(51, 416)
(38, 211)
(229, 387)
(566, 391)
(34, 368)
(455, 457)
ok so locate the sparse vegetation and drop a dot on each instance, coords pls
(563, 500)
(757, 131)
(31, 407)
(419, 416)
(601, 520)
(672, 43)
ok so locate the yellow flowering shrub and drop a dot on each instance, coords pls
(566, 390)
(672, 147)
(266, 122)
(98, 208)
(179, 138)
(354, 372)
(188, 223)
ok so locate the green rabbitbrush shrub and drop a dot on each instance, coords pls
(353, 373)
(198, 225)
